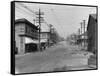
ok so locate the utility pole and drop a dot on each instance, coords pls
(39, 31)
(81, 31)
(81, 28)
(84, 31)
(50, 28)
(39, 20)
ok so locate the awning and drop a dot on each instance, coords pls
(43, 40)
(29, 40)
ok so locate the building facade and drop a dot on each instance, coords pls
(92, 33)
(26, 34)
(49, 38)
(82, 40)
(44, 39)
(54, 36)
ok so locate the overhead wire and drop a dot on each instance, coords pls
(21, 12)
(26, 7)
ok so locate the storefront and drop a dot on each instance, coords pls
(30, 45)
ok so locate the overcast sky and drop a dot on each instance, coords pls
(64, 18)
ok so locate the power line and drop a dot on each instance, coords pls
(23, 10)
(27, 8)
(32, 12)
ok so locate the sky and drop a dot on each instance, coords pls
(65, 19)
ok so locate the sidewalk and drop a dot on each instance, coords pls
(92, 61)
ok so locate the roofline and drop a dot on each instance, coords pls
(23, 20)
(90, 16)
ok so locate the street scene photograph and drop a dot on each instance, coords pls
(55, 37)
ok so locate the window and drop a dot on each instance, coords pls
(21, 29)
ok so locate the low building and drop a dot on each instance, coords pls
(48, 38)
(92, 33)
(26, 36)
(54, 36)
(82, 40)
(44, 39)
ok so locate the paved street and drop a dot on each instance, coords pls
(60, 57)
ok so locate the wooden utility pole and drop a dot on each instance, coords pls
(50, 28)
(81, 28)
(81, 31)
(84, 31)
(39, 21)
(39, 47)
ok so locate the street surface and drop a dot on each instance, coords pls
(60, 57)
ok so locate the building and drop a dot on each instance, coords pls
(82, 40)
(26, 36)
(54, 36)
(92, 33)
(45, 39)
